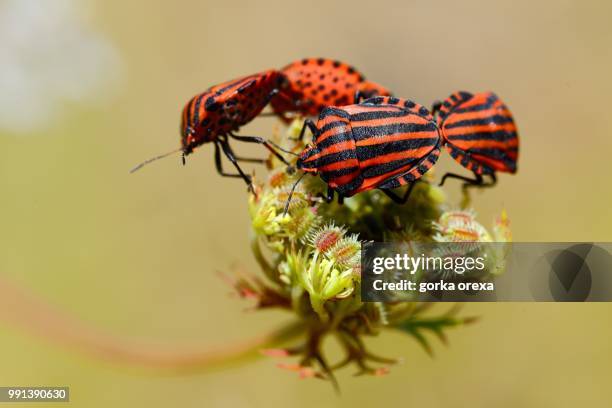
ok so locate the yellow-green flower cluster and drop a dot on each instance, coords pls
(311, 257)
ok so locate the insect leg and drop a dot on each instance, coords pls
(230, 155)
(329, 197)
(477, 181)
(435, 107)
(282, 97)
(250, 160)
(219, 165)
(308, 123)
(268, 145)
(397, 199)
(241, 159)
(493, 180)
(490, 183)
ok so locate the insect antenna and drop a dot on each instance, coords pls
(291, 193)
(152, 159)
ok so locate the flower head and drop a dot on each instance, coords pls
(313, 260)
(325, 237)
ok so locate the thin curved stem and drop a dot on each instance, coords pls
(25, 310)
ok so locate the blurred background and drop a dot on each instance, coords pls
(89, 88)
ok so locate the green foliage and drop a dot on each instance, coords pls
(417, 325)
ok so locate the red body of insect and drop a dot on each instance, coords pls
(213, 116)
(224, 108)
(383, 142)
(479, 132)
(314, 83)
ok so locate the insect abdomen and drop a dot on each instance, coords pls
(314, 83)
(392, 140)
(480, 132)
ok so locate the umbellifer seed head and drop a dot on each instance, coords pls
(326, 237)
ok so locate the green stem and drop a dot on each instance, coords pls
(318, 306)
(261, 259)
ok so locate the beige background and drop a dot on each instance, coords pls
(138, 255)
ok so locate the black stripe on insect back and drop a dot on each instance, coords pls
(331, 174)
(188, 115)
(491, 99)
(499, 136)
(366, 132)
(493, 119)
(373, 151)
(334, 139)
(498, 154)
(387, 167)
(232, 84)
(474, 108)
(307, 154)
(379, 114)
(196, 110)
(332, 125)
(379, 169)
(335, 157)
(246, 85)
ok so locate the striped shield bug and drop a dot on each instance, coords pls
(214, 115)
(480, 134)
(381, 143)
(314, 83)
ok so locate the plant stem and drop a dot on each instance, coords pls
(261, 259)
(28, 312)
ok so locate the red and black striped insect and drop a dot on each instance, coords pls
(314, 83)
(479, 133)
(381, 143)
(214, 115)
